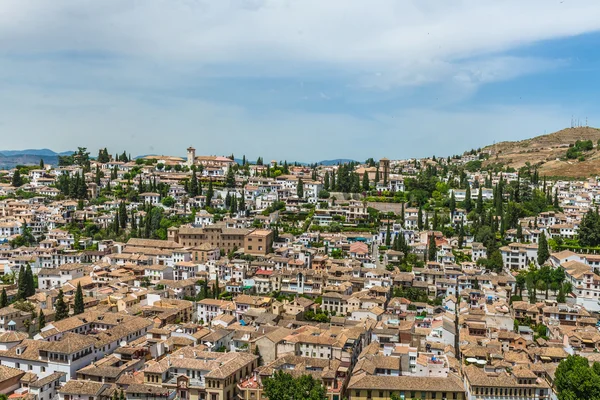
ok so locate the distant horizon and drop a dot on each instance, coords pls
(94, 153)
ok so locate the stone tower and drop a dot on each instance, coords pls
(191, 156)
(384, 170)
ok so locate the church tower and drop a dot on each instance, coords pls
(191, 156)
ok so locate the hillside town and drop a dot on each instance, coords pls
(219, 278)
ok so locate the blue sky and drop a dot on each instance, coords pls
(289, 79)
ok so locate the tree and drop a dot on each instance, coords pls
(479, 205)
(122, 215)
(300, 189)
(242, 202)
(432, 249)
(205, 291)
(103, 156)
(282, 386)
(29, 281)
(168, 201)
(365, 182)
(3, 298)
(420, 219)
(495, 262)
(17, 181)
(388, 236)
(216, 289)
(21, 284)
(461, 235)
(230, 178)
(79, 306)
(543, 252)
(209, 193)
(42, 166)
(545, 276)
(41, 320)
(468, 204)
(576, 379)
(193, 187)
(61, 310)
(521, 279)
(452, 204)
(326, 181)
(589, 229)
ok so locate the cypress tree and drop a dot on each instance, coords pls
(209, 193)
(377, 175)
(17, 181)
(233, 209)
(205, 289)
(365, 182)
(543, 252)
(42, 163)
(3, 298)
(326, 181)
(116, 223)
(452, 204)
(61, 311)
(461, 235)
(300, 189)
(420, 219)
(402, 214)
(82, 188)
(479, 206)
(22, 284)
(194, 185)
(467, 204)
(79, 306)
(242, 202)
(432, 250)
(41, 320)
(29, 281)
(388, 237)
(122, 215)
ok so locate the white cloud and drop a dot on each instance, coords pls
(407, 42)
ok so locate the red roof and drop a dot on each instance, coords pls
(264, 272)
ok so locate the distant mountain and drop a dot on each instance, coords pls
(8, 162)
(34, 152)
(335, 162)
(11, 158)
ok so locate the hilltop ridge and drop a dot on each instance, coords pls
(548, 153)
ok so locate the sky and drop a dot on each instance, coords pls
(303, 80)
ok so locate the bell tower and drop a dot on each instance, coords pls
(191, 156)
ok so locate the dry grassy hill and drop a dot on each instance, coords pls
(548, 153)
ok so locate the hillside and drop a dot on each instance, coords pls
(548, 153)
(8, 162)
